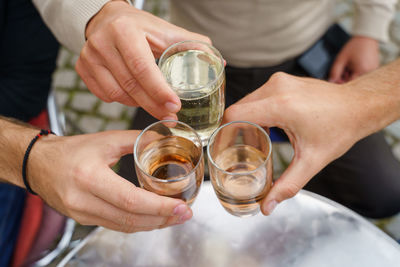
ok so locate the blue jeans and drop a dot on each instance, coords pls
(12, 201)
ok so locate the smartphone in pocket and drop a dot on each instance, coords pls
(318, 59)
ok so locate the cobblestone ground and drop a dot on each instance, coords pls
(86, 114)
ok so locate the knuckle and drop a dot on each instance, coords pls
(207, 39)
(291, 189)
(139, 67)
(119, 23)
(231, 112)
(95, 42)
(162, 207)
(129, 223)
(115, 94)
(278, 76)
(71, 202)
(130, 86)
(131, 201)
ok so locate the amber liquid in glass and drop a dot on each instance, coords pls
(172, 160)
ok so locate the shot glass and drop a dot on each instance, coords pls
(240, 166)
(195, 71)
(169, 160)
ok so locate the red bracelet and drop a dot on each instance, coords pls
(26, 156)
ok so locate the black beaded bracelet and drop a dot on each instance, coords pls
(26, 156)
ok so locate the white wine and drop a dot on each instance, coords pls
(169, 159)
(198, 78)
(246, 182)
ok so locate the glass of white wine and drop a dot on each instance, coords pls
(195, 71)
(240, 165)
(169, 160)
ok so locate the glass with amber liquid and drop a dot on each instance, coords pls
(169, 160)
(240, 165)
(195, 71)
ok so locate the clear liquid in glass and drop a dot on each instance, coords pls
(197, 79)
(240, 194)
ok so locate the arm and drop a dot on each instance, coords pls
(361, 54)
(117, 62)
(67, 19)
(74, 176)
(322, 120)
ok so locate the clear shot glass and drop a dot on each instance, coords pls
(169, 160)
(195, 71)
(240, 166)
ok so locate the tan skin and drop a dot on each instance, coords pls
(322, 120)
(74, 176)
(359, 56)
(117, 62)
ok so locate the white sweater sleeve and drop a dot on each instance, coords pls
(67, 19)
(373, 17)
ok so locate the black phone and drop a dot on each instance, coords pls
(318, 59)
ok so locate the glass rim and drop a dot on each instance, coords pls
(214, 134)
(218, 54)
(138, 165)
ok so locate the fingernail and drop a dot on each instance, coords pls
(270, 207)
(185, 217)
(180, 209)
(172, 107)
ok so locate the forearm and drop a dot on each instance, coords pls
(14, 139)
(380, 105)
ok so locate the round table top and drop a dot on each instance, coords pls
(307, 230)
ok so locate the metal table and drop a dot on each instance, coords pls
(307, 230)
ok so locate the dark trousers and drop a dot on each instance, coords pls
(366, 179)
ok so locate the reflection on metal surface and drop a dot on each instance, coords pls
(307, 230)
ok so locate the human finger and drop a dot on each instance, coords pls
(123, 194)
(338, 69)
(151, 89)
(294, 178)
(95, 206)
(91, 65)
(262, 112)
(90, 81)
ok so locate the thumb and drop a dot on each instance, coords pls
(337, 69)
(262, 112)
(295, 177)
(123, 140)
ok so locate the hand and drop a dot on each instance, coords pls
(117, 62)
(73, 175)
(359, 56)
(322, 120)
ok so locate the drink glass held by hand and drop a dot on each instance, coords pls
(169, 160)
(240, 164)
(195, 71)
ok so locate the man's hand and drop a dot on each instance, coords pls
(73, 175)
(359, 56)
(322, 120)
(117, 62)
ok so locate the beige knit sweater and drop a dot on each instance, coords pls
(268, 32)
(248, 32)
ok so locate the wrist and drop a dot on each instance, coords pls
(101, 16)
(14, 138)
(377, 101)
(42, 158)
